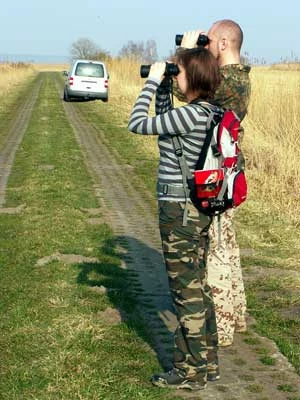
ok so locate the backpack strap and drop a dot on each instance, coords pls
(186, 174)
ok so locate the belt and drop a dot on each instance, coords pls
(167, 188)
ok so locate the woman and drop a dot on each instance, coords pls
(183, 229)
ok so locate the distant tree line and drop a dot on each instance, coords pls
(146, 52)
(85, 48)
(247, 59)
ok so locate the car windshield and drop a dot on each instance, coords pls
(90, 70)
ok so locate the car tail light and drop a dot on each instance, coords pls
(71, 80)
(106, 83)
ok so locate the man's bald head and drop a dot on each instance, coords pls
(230, 30)
(225, 41)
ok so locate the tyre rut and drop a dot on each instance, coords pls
(14, 137)
(135, 226)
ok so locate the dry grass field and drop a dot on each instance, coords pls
(12, 74)
(272, 139)
(50, 67)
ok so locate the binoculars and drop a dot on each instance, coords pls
(202, 40)
(170, 70)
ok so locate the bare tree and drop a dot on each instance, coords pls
(150, 53)
(133, 51)
(86, 49)
(245, 58)
(140, 52)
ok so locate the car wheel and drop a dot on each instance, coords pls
(105, 100)
(66, 96)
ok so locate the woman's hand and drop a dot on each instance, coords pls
(157, 71)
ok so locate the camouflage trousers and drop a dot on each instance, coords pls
(225, 278)
(185, 252)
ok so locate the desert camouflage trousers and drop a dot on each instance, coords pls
(225, 278)
(185, 253)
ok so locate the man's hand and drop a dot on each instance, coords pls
(189, 40)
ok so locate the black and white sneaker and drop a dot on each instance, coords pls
(176, 379)
(213, 376)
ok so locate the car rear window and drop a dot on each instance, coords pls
(92, 70)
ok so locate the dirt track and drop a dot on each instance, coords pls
(14, 137)
(135, 225)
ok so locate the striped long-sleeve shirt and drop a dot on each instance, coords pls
(188, 121)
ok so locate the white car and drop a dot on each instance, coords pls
(86, 80)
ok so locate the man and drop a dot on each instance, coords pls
(224, 267)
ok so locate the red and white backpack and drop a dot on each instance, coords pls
(217, 183)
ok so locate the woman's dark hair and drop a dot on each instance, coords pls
(202, 71)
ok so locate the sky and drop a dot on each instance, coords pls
(48, 28)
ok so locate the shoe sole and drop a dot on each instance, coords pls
(188, 386)
(225, 344)
(213, 378)
(184, 385)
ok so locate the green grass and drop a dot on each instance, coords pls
(54, 342)
(286, 388)
(270, 322)
(267, 360)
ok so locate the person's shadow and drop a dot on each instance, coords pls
(133, 276)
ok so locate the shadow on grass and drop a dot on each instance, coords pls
(126, 263)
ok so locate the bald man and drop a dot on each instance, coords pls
(224, 266)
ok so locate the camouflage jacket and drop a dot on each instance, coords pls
(234, 93)
(234, 90)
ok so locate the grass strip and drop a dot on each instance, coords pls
(61, 336)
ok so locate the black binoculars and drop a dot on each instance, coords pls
(202, 40)
(171, 70)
